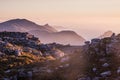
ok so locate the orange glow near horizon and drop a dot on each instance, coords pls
(82, 16)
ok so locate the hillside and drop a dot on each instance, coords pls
(46, 33)
(62, 37)
(24, 57)
(24, 25)
(22, 53)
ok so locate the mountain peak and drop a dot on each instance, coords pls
(47, 24)
(46, 33)
(18, 20)
(49, 27)
(24, 25)
(64, 32)
(109, 31)
(68, 31)
(106, 34)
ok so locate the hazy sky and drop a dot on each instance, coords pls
(90, 18)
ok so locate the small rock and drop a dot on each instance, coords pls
(118, 71)
(105, 65)
(94, 69)
(8, 71)
(105, 74)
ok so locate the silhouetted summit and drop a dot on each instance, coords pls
(46, 33)
(106, 34)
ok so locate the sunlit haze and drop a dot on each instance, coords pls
(89, 18)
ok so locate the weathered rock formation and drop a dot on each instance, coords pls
(103, 58)
(15, 43)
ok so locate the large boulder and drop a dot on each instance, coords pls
(57, 53)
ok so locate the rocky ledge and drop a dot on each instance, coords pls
(19, 51)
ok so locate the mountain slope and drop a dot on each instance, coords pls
(106, 34)
(46, 33)
(24, 25)
(69, 37)
(63, 37)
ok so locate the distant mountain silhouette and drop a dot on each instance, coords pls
(63, 37)
(106, 34)
(46, 33)
(24, 25)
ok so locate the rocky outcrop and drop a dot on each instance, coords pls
(20, 51)
(15, 43)
(103, 58)
(51, 50)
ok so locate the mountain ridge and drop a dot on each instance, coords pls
(45, 32)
